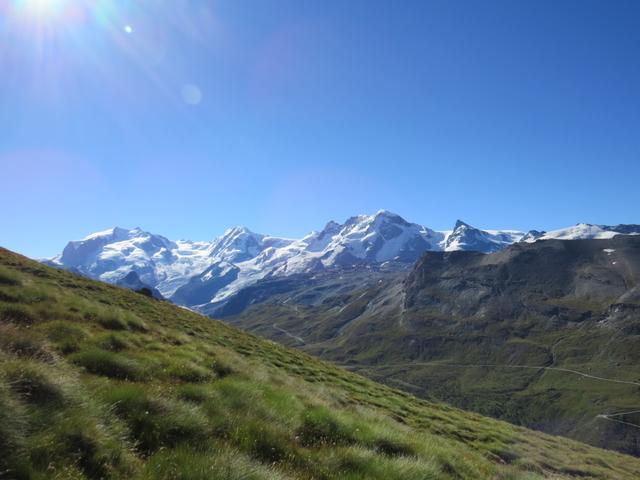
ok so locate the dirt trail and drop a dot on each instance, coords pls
(610, 415)
(493, 365)
(290, 335)
(603, 416)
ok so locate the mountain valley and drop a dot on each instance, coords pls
(491, 333)
(500, 322)
(100, 382)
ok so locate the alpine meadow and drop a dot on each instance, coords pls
(319, 240)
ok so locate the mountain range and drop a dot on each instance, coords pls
(207, 275)
(537, 328)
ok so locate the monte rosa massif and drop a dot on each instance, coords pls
(198, 274)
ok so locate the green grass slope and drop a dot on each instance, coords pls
(101, 382)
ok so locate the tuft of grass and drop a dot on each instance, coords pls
(392, 447)
(356, 462)
(25, 344)
(81, 448)
(65, 335)
(156, 422)
(8, 277)
(188, 372)
(112, 321)
(510, 474)
(9, 297)
(33, 383)
(18, 314)
(265, 441)
(185, 464)
(221, 369)
(84, 446)
(109, 364)
(321, 427)
(136, 324)
(47, 424)
(193, 393)
(12, 434)
(114, 342)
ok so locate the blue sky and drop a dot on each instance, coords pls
(188, 117)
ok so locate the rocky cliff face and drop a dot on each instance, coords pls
(553, 279)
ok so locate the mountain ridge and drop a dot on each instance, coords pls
(195, 274)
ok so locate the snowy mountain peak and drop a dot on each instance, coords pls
(585, 231)
(330, 229)
(385, 216)
(383, 223)
(460, 224)
(77, 252)
(194, 273)
(355, 220)
(236, 244)
(532, 236)
(466, 237)
(239, 244)
(378, 238)
(111, 233)
(112, 254)
(388, 215)
(331, 226)
(236, 231)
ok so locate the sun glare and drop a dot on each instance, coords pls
(44, 17)
(43, 7)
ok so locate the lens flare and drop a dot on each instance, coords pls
(61, 44)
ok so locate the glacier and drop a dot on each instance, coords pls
(196, 273)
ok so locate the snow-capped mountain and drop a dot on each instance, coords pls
(378, 238)
(111, 254)
(364, 239)
(199, 273)
(239, 244)
(466, 237)
(583, 231)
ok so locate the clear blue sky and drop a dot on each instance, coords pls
(188, 117)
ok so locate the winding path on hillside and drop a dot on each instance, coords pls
(603, 416)
(611, 419)
(288, 334)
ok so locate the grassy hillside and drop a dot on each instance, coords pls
(101, 382)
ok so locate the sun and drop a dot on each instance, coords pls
(50, 15)
(44, 9)
(42, 5)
